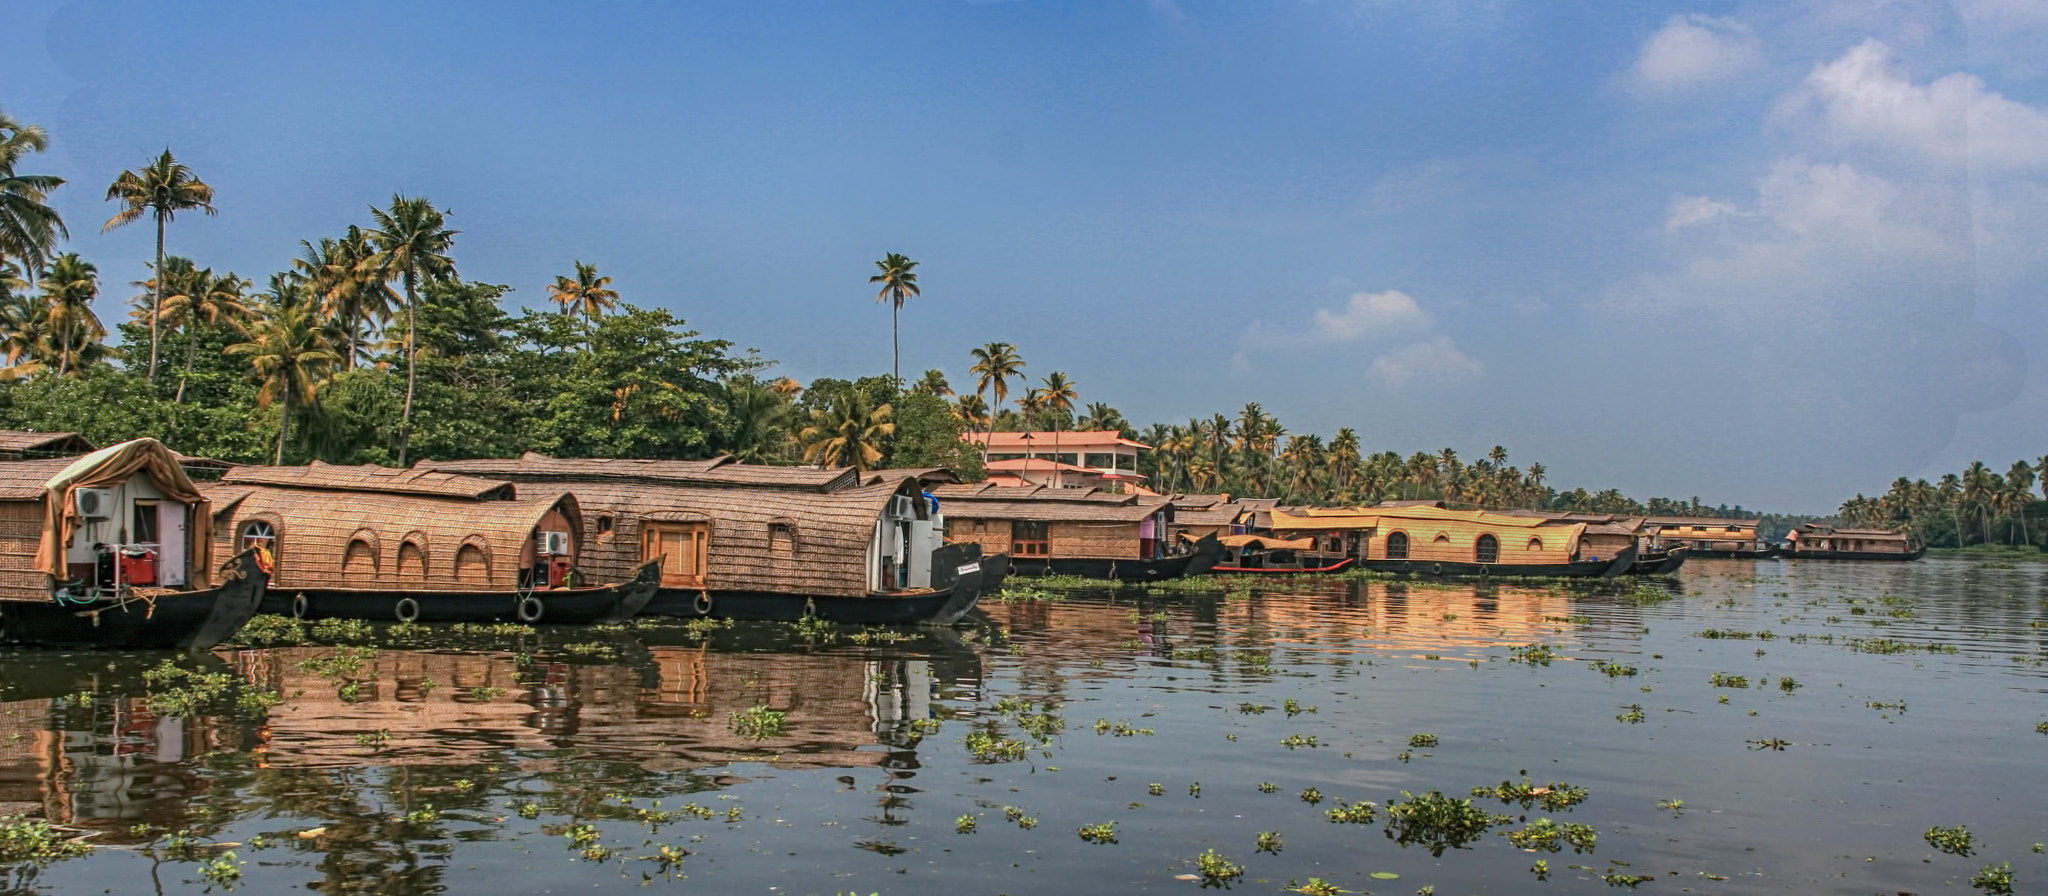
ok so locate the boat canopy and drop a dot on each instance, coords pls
(112, 466)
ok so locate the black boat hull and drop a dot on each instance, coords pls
(1208, 551)
(1660, 563)
(180, 621)
(957, 575)
(1804, 554)
(575, 606)
(1604, 569)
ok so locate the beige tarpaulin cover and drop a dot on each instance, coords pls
(112, 466)
(1270, 542)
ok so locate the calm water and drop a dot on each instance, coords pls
(579, 761)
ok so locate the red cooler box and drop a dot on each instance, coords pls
(138, 567)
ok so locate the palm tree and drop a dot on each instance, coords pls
(162, 189)
(587, 295)
(971, 411)
(1059, 397)
(289, 358)
(29, 227)
(847, 432)
(899, 284)
(994, 365)
(68, 290)
(761, 418)
(932, 383)
(24, 335)
(208, 301)
(412, 247)
(353, 294)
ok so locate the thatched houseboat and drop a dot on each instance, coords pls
(1083, 532)
(1815, 541)
(746, 541)
(114, 549)
(18, 444)
(371, 542)
(1710, 536)
(1433, 540)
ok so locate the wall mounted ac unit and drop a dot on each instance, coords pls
(554, 544)
(902, 508)
(94, 503)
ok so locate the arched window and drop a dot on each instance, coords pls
(1487, 550)
(1441, 538)
(412, 562)
(471, 566)
(1397, 546)
(258, 534)
(359, 559)
(1535, 544)
(781, 541)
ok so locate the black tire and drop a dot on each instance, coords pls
(407, 609)
(810, 608)
(530, 609)
(1437, 569)
(299, 607)
(703, 603)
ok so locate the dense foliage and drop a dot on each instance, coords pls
(1975, 506)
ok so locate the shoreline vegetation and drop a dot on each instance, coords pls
(370, 346)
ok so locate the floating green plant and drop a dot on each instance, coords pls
(1269, 842)
(35, 841)
(1533, 654)
(1316, 886)
(1098, 833)
(1361, 812)
(965, 824)
(1725, 680)
(1268, 787)
(1729, 634)
(1675, 807)
(988, 747)
(1155, 788)
(1294, 708)
(1994, 879)
(223, 870)
(1549, 836)
(1216, 869)
(1436, 822)
(1788, 684)
(1017, 817)
(1294, 741)
(1889, 646)
(1956, 841)
(758, 722)
(1252, 709)
(1422, 740)
(1612, 669)
(1541, 869)
(1555, 796)
(1632, 715)
(1311, 796)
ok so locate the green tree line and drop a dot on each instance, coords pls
(1975, 506)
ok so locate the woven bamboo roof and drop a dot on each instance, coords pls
(1269, 542)
(721, 470)
(23, 480)
(18, 443)
(372, 478)
(1221, 515)
(1043, 504)
(1375, 517)
(925, 476)
(1822, 530)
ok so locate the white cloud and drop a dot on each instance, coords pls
(1860, 99)
(1431, 361)
(1687, 211)
(1694, 50)
(1370, 314)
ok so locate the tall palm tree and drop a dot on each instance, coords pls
(289, 358)
(586, 295)
(848, 431)
(161, 189)
(1059, 396)
(995, 364)
(899, 284)
(29, 227)
(24, 335)
(412, 247)
(208, 301)
(68, 290)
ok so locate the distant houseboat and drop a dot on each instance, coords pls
(747, 541)
(1080, 532)
(1709, 537)
(1430, 540)
(1814, 541)
(113, 549)
(369, 542)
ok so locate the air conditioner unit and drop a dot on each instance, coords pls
(94, 503)
(902, 508)
(554, 544)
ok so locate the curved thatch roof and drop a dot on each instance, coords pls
(318, 528)
(15, 443)
(372, 478)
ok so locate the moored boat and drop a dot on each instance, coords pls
(112, 550)
(1815, 541)
(1266, 555)
(1436, 541)
(1659, 563)
(746, 541)
(1076, 532)
(369, 542)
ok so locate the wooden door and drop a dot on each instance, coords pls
(682, 548)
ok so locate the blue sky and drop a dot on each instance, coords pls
(1768, 254)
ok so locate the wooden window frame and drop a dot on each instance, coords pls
(674, 573)
(1397, 551)
(1479, 546)
(1023, 546)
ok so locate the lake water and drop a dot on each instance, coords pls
(1880, 700)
